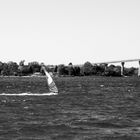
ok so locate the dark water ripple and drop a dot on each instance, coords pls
(87, 108)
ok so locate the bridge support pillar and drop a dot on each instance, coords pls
(122, 68)
(139, 69)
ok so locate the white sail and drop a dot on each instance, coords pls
(51, 84)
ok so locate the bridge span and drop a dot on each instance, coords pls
(119, 61)
(122, 64)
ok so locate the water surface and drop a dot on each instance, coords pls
(86, 108)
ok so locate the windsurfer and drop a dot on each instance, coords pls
(51, 84)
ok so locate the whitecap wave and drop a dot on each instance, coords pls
(28, 94)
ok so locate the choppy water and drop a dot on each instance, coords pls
(86, 108)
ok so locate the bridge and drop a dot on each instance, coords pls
(120, 61)
(122, 64)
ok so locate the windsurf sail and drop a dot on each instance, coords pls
(51, 84)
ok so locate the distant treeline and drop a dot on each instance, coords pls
(13, 69)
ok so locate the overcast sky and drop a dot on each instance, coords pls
(63, 31)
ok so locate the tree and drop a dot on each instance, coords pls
(5, 70)
(62, 70)
(13, 68)
(21, 63)
(70, 70)
(24, 69)
(56, 68)
(34, 66)
(129, 71)
(87, 68)
(113, 71)
(77, 71)
(1, 66)
(100, 69)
